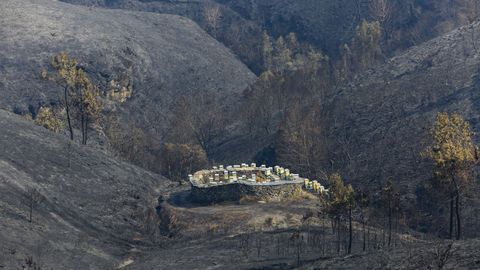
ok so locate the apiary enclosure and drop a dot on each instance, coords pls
(231, 183)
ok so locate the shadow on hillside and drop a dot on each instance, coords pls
(183, 199)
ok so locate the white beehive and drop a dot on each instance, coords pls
(233, 176)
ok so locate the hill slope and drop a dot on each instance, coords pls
(324, 23)
(382, 119)
(162, 56)
(386, 112)
(428, 255)
(89, 210)
(329, 24)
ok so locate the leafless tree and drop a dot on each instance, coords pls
(442, 254)
(472, 10)
(212, 15)
(381, 10)
(258, 245)
(302, 143)
(297, 239)
(178, 160)
(3, 257)
(472, 15)
(245, 244)
(198, 120)
(259, 111)
(32, 200)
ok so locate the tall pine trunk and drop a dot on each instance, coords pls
(389, 221)
(338, 235)
(457, 205)
(86, 130)
(82, 122)
(31, 208)
(67, 108)
(364, 235)
(350, 236)
(457, 209)
(451, 217)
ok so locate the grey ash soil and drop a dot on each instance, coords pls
(427, 255)
(92, 212)
(100, 213)
(383, 117)
(164, 56)
(326, 24)
(97, 212)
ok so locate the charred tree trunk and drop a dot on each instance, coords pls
(31, 208)
(67, 109)
(364, 235)
(457, 209)
(338, 235)
(451, 217)
(86, 130)
(389, 222)
(457, 205)
(368, 239)
(82, 124)
(350, 236)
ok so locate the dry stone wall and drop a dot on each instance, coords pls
(237, 191)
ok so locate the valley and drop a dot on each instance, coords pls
(358, 122)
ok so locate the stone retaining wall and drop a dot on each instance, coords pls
(236, 191)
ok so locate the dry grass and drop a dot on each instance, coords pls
(301, 195)
(248, 199)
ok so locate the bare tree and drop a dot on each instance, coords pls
(258, 245)
(212, 15)
(198, 120)
(260, 109)
(178, 160)
(302, 144)
(245, 243)
(442, 254)
(297, 239)
(381, 10)
(32, 200)
(472, 10)
(472, 15)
